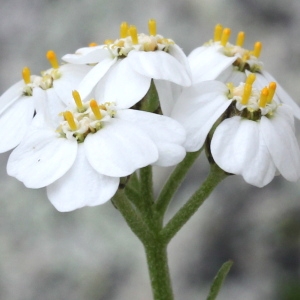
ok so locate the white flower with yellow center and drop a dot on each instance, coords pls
(254, 135)
(220, 60)
(123, 69)
(82, 157)
(17, 108)
(20, 102)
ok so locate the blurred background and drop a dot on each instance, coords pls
(90, 253)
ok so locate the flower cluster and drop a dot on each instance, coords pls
(82, 125)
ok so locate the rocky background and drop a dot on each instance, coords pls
(90, 254)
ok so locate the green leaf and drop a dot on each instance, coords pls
(218, 280)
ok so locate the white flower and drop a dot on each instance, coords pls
(82, 158)
(20, 102)
(125, 67)
(17, 108)
(254, 135)
(220, 60)
(258, 149)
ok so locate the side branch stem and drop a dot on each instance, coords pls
(215, 176)
(174, 182)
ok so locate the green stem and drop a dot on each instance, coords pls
(157, 260)
(146, 185)
(174, 182)
(132, 217)
(215, 176)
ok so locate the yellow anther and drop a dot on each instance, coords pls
(257, 49)
(240, 39)
(95, 108)
(152, 27)
(218, 32)
(263, 97)
(70, 119)
(26, 75)
(272, 89)
(133, 33)
(77, 100)
(251, 78)
(123, 30)
(51, 56)
(225, 36)
(93, 44)
(247, 93)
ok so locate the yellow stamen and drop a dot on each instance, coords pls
(251, 78)
(257, 49)
(123, 30)
(93, 44)
(77, 100)
(26, 75)
(240, 39)
(70, 119)
(263, 97)
(133, 33)
(272, 89)
(218, 32)
(95, 108)
(51, 56)
(225, 36)
(152, 27)
(247, 93)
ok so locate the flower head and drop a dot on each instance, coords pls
(130, 63)
(81, 159)
(21, 101)
(251, 132)
(221, 60)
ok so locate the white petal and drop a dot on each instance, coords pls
(168, 92)
(169, 154)
(41, 158)
(158, 127)
(283, 146)
(87, 55)
(54, 106)
(198, 108)
(11, 95)
(167, 134)
(261, 168)
(232, 75)
(14, 123)
(81, 186)
(207, 63)
(234, 144)
(122, 85)
(71, 76)
(178, 53)
(119, 149)
(94, 76)
(159, 65)
(238, 147)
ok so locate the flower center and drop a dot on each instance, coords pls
(252, 103)
(246, 59)
(85, 118)
(130, 40)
